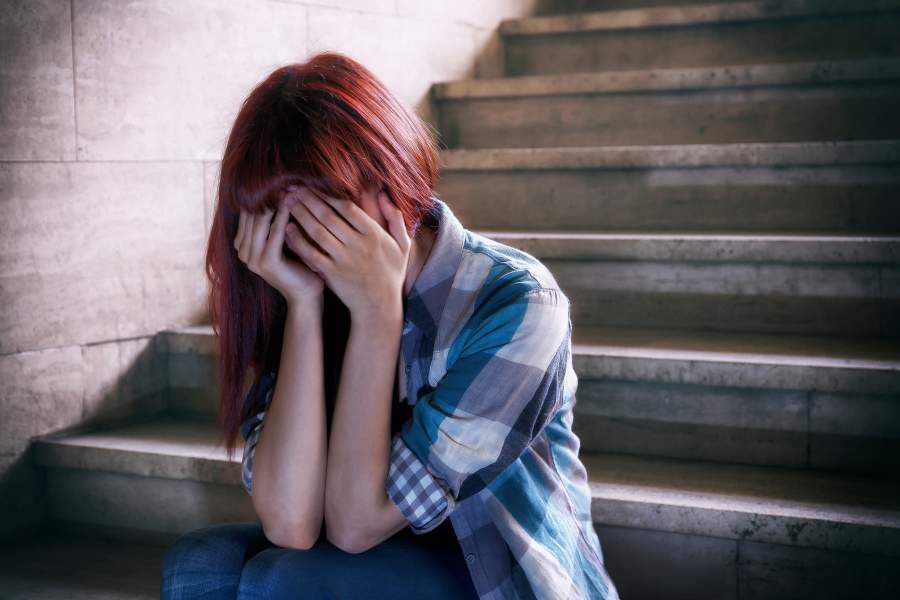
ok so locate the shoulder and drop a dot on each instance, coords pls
(506, 274)
(512, 296)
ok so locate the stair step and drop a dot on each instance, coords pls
(795, 401)
(814, 187)
(756, 103)
(577, 6)
(124, 481)
(870, 366)
(702, 285)
(716, 247)
(683, 79)
(55, 565)
(789, 400)
(825, 364)
(698, 13)
(701, 35)
(764, 504)
(778, 506)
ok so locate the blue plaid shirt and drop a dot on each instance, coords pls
(486, 364)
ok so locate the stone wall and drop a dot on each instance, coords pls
(113, 116)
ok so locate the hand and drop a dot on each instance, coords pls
(362, 262)
(259, 243)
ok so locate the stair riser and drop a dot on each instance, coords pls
(165, 507)
(752, 297)
(193, 384)
(571, 6)
(788, 40)
(698, 566)
(791, 428)
(761, 414)
(769, 114)
(839, 199)
(685, 565)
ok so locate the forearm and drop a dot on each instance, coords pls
(359, 447)
(289, 463)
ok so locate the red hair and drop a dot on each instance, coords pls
(328, 124)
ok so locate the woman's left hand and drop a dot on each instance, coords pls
(363, 264)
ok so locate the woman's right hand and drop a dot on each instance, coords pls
(259, 243)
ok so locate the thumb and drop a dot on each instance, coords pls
(394, 217)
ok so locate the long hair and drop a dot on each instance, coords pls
(328, 124)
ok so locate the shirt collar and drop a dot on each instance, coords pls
(428, 295)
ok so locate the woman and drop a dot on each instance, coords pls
(330, 254)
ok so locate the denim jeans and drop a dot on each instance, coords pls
(236, 560)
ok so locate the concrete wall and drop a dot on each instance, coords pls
(113, 116)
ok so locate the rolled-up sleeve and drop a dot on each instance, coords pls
(255, 404)
(503, 383)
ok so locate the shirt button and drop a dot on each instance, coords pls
(408, 368)
(470, 558)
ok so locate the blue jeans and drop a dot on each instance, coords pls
(236, 560)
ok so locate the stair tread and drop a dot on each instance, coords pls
(82, 568)
(775, 492)
(714, 247)
(738, 347)
(684, 15)
(743, 154)
(772, 491)
(682, 78)
(763, 237)
(836, 352)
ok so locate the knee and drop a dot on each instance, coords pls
(274, 570)
(215, 548)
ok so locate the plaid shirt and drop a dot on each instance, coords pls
(485, 362)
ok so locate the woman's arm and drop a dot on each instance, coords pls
(359, 513)
(289, 460)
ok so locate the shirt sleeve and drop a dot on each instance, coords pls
(503, 383)
(256, 403)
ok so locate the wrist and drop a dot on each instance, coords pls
(386, 316)
(310, 307)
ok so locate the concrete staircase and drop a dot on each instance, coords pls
(715, 187)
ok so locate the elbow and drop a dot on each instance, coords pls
(292, 538)
(346, 536)
(348, 540)
(292, 535)
(300, 531)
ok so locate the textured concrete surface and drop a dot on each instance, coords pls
(98, 251)
(797, 113)
(738, 360)
(798, 237)
(715, 13)
(37, 120)
(704, 247)
(770, 297)
(716, 76)
(671, 200)
(790, 400)
(677, 155)
(152, 466)
(83, 569)
(764, 504)
(114, 116)
(699, 36)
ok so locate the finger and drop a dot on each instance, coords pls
(353, 214)
(315, 230)
(328, 216)
(260, 232)
(315, 260)
(276, 232)
(244, 250)
(394, 217)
